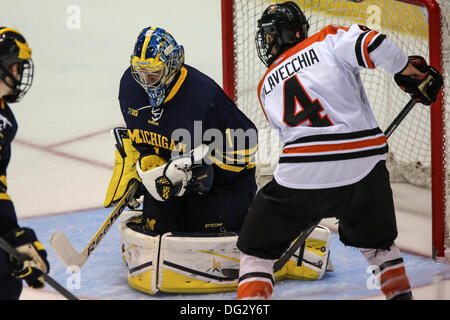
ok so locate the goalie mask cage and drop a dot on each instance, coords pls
(419, 147)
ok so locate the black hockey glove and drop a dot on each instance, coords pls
(24, 241)
(202, 180)
(425, 89)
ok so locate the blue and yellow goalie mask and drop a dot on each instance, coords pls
(155, 61)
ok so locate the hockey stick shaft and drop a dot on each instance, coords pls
(65, 249)
(304, 235)
(20, 257)
(395, 123)
(111, 219)
(290, 252)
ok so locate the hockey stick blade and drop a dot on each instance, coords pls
(64, 248)
(65, 251)
(20, 257)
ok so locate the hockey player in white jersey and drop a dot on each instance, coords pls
(333, 163)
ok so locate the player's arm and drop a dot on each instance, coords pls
(421, 81)
(234, 149)
(5, 155)
(360, 47)
(3, 183)
(8, 219)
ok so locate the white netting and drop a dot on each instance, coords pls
(405, 24)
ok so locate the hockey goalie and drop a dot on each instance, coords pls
(196, 176)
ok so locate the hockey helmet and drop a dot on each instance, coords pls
(14, 49)
(281, 27)
(155, 61)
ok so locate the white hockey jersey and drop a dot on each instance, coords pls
(314, 97)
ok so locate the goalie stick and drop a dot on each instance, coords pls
(65, 250)
(234, 273)
(21, 257)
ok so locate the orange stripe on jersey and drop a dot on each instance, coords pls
(260, 103)
(337, 147)
(318, 37)
(369, 38)
(2, 103)
(254, 290)
(394, 282)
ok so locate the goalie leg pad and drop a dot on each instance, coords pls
(310, 261)
(198, 264)
(183, 263)
(140, 252)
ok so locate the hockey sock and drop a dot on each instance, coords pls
(390, 270)
(255, 278)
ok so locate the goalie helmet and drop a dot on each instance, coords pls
(14, 49)
(155, 61)
(281, 27)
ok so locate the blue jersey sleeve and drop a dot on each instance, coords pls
(234, 150)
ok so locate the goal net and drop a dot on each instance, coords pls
(419, 146)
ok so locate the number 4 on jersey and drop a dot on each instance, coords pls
(295, 96)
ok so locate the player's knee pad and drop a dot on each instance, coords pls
(310, 261)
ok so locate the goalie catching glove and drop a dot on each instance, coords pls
(178, 175)
(423, 89)
(25, 242)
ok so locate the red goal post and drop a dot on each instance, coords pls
(238, 25)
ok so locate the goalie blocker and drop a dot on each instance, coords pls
(203, 263)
